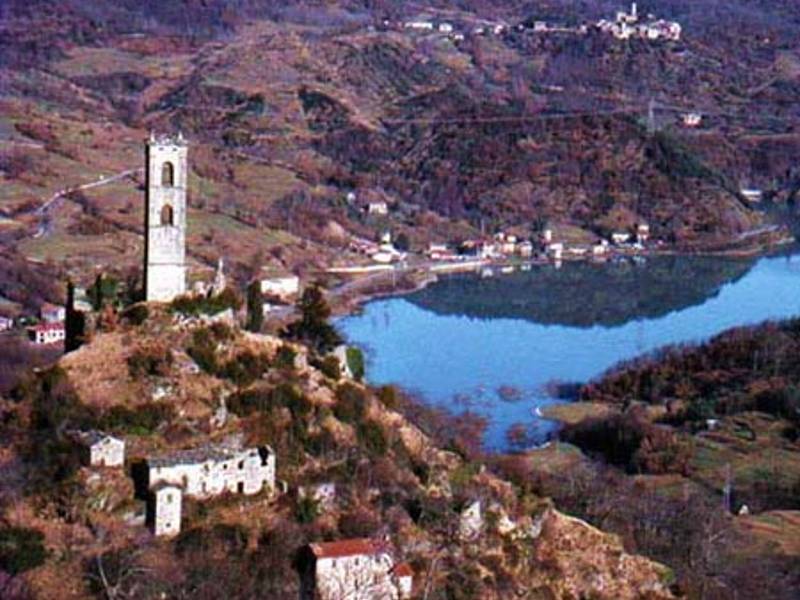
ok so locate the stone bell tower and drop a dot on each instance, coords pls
(165, 218)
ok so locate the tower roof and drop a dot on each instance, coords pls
(166, 139)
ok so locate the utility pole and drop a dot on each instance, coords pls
(651, 116)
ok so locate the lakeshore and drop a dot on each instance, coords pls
(525, 329)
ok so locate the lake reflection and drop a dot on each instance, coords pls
(462, 339)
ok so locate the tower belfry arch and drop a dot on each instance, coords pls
(165, 217)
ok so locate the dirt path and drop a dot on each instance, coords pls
(42, 211)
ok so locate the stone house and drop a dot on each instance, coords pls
(211, 471)
(620, 237)
(340, 352)
(377, 208)
(281, 287)
(642, 233)
(556, 250)
(525, 249)
(692, 119)
(355, 569)
(47, 333)
(419, 25)
(50, 313)
(471, 521)
(101, 449)
(404, 578)
(752, 194)
(203, 473)
(164, 509)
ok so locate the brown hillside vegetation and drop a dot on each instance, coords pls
(693, 436)
(289, 108)
(391, 478)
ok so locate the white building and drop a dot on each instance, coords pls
(437, 251)
(211, 471)
(281, 287)
(102, 450)
(627, 25)
(471, 521)
(203, 473)
(752, 195)
(403, 575)
(556, 250)
(692, 119)
(167, 175)
(164, 509)
(419, 25)
(51, 313)
(619, 237)
(340, 352)
(445, 28)
(525, 249)
(47, 333)
(377, 208)
(642, 233)
(6, 323)
(356, 569)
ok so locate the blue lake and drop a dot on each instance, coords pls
(462, 339)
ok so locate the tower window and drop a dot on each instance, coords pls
(167, 174)
(167, 215)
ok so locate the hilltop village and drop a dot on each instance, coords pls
(141, 471)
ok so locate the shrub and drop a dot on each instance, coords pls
(136, 314)
(330, 367)
(203, 350)
(227, 539)
(306, 510)
(105, 290)
(263, 400)
(285, 357)
(293, 398)
(350, 404)
(21, 549)
(247, 402)
(246, 368)
(355, 360)
(202, 305)
(388, 396)
(372, 438)
(150, 359)
(255, 307)
(143, 420)
(313, 326)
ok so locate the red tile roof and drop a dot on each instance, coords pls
(403, 570)
(47, 326)
(346, 548)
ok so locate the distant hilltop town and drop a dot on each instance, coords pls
(624, 26)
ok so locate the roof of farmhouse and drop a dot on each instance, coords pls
(203, 454)
(356, 546)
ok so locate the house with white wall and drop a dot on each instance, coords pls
(355, 569)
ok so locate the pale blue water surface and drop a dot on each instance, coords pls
(459, 340)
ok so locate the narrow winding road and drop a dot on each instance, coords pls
(42, 211)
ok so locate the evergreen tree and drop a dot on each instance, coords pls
(313, 326)
(255, 307)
